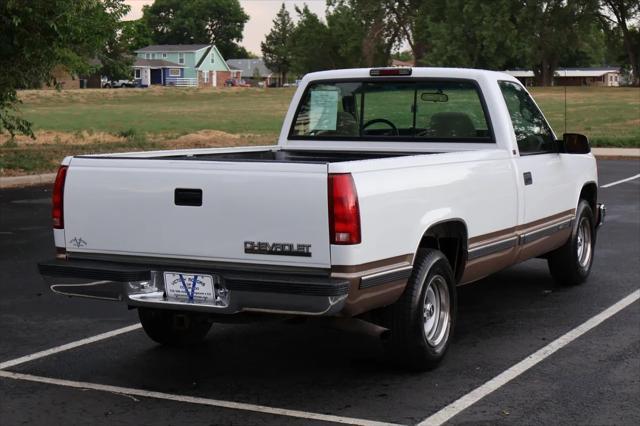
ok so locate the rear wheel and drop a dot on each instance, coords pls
(422, 320)
(174, 328)
(571, 263)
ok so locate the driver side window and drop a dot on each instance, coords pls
(532, 132)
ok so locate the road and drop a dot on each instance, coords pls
(244, 372)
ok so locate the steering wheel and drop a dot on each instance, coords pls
(383, 121)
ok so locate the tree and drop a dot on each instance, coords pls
(40, 35)
(552, 29)
(276, 48)
(197, 21)
(412, 19)
(462, 33)
(621, 13)
(311, 44)
(135, 34)
(366, 31)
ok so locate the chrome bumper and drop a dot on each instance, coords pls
(601, 212)
(140, 286)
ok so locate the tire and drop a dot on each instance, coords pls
(107, 86)
(571, 264)
(421, 322)
(174, 328)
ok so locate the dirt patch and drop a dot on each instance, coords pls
(26, 156)
(200, 139)
(216, 138)
(48, 137)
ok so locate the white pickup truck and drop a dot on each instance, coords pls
(388, 188)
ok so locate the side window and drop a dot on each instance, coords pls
(532, 132)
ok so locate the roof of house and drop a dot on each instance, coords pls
(173, 48)
(569, 72)
(399, 63)
(519, 73)
(248, 65)
(204, 56)
(586, 72)
(155, 63)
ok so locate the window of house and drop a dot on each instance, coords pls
(181, 58)
(533, 134)
(174, 72)
(164, 56)
(153, 56)
(147, 56)
(137, 73)
(212, 58)
(419, 110)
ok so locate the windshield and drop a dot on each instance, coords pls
(441, 110)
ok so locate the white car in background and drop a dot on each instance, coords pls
(117, 83)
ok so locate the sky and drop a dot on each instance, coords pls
(261, 14)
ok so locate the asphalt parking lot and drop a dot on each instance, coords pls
(314, 372)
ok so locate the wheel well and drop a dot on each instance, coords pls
(451, 239)
(589, 193)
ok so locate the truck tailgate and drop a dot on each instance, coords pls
(270, 213)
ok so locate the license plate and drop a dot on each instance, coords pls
(189, 287)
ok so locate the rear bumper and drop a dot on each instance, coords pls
(143, 286)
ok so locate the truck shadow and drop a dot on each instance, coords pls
(296, 365)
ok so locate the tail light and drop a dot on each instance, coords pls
(344, 211)
(57, 211)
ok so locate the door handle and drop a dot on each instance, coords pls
(528, 178)
(188, 197)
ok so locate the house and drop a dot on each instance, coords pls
(68, 80)
(254, 71)
(195, 65)
(603, 76)
(64, 78)
(526, 77)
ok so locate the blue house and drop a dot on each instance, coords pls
(194, 65)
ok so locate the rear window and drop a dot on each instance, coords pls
(450, 111)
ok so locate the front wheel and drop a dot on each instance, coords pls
(571, 263)
(422, 320)
(174, 328)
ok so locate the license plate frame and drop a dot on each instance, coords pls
(180, 287)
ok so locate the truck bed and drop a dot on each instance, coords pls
(280, 156)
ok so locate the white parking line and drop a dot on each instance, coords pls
(66, 347)
(505, 377)
(620, 181)
(194, 400)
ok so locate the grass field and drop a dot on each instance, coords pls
(84, 121)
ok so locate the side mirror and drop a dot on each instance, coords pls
(575, 143)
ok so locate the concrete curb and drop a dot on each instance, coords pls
(48, 178)
(30, 180)
(616, 153)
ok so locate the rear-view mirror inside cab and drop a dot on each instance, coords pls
(434, 97)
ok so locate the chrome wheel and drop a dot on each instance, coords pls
(584, 247)
(436, 311)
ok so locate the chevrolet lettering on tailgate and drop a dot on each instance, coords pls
(278, 249)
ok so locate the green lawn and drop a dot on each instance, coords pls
(162, 110)
(609, 116)
(83, 121)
